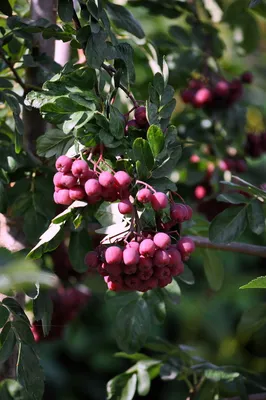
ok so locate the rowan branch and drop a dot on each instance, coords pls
(11, 67)
(244, 248)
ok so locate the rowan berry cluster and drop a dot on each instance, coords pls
(256, 144)
(222, 94)
(144, 263)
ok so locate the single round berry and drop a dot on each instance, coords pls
(113, 255)
(145, 275)
(57, 179)
(110, 194)
(63, 164)
(130, 256)
(187, 96)
(145, 263)
(175, 257)
(62, 197)
(194, 159)
(91, 259)
(178, 212)
(140, 116)
(77, 193)
(221, 89)
(93, 188)
(162, 240)
(161, 258)
(202, 97)
(185, 246)
(125, 207)
(106, 179)
(122, 179)
(147, 247)
(132, 123)
(247, 77)
(133, 245)
(159, 201)
(144, 196)
(200, 192)
(93, 199)
(68, 180)
(80, 169)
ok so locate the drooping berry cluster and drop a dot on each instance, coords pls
(67, 302)
(140, 121)
(76, 181)
(222, 94)
(142, 264)
(256, 144)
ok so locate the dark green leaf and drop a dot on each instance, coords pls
(167, 110)
(214, 270)
(158, 83)
(16, 309)
(258, 283)
(78, 248)
(117, 123)
(142, 152)
(228, 225)
(4, 315)
(167, 95)
(65, 10)
(54, 143)
(232, 198)
(29, 372)
(207, 391)
(5, 8)
(251, 321)
(132, 325)
(43, 310)
(7, 342)
(155, 138)
(23, 332)
(172, 292)
(156, 304)
(180, 34)
(96, 49)
(123, 19)
(152, 114)
(256, 217)
(5, 83)
(187, 276)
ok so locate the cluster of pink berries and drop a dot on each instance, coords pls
(140, 121)
(142, 264)
(76, 181)
(221, 95)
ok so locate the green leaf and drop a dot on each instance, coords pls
(3, 198)
(232, 198)
(132, 325)
(172, 292)
(117, 123)
(187, 276)
(79, 246)
(180, 35)
(16, 309)
(5, 83)
(5, 8)
(152, 114)
(4, 315)
(95, 49)
(29, 372)
(158, 83)
(167, 110)
(23, 332)
(214, 270)
(122, 387)
(10, 390)
(54, 143)
(142, 153)
(156, 304)
(43, 310)
(228, 225)
(65, 10)
(49, 241)
(251, 321)
(256, 217)
(144, 381)
(258, 283)
(123, 19)
(155, 138)
(7, 342)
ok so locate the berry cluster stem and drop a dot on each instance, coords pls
(146, 185)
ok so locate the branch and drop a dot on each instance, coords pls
(11, 67)
(244, 248)
(259, 396)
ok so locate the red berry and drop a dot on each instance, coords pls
(106, 179)
(195, 84)
(186, 246)
(91, 259)
(247, 77)
(190, 212)
(130, 256)
(221, 89)
(80, 169)
(178, 212)
(93, 188)
(149, 284)
(68, 181)
(63, 164)
(145, 275)
(62, 197)
(202, 97)
(130, 269)
(145, 263)
(122, 179)
(144, 196)
(77, 193)
(164, 282)
(177, 269)
(133, 282)
(187, 96)
(147, 247)
(175, 257)
(200, 192)
(110, 194)
(159, 201)
(240, 166)
(113, 255)
(130, 123)
(162, 273)
(93, 199)
(161, 258)
(113, 269)
(162, 240)
(57, 179)
(140, 116)
(114, 283)
(125, 207)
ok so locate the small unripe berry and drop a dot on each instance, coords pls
(77, 193)
(147, 247)
(63, 164)
(140, 116)
(164, 282)
(144, 195)
(106, 179)
(145, 263)
(130, 269)
(202, 97)
(91, 259)
(133, 282)
(125, 207)
(186, 246)
(162, 240)
(93, 188)
(113, 255)
(57, 179)
(161, 258)
(159, 201)
(130, 256)
(80, 169)
(162, 273)
(145, 275)
(68, 181)
(122, 179)
(62, 197)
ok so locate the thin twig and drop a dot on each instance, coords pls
(11, 67)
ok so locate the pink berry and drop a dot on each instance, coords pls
(175, 257)
(55, 196)
(125, 207)
(91, 259)
(113, 255)
(221, 89)
(190, 212)
(106, 179)
(164, 282)
(68, 181)
(57, 179)
(200, 192)
(161, 258)
(159, 201)
(133, 245)
(178, 212)
(122, 179)
(194, 159)
(80, 169)
(57, 188)
(77, 193)
(147, 247)
(133, 282)
(93, 188)
(113, 269)
(114, 283)
(62, 197)
(140, 116)
(202, 97)
(130, 269)
(88, 175)
(145, 275)
(145, 263)
(186, 246)
(162, 240)
(130, 256)
(144, 196)
(63, 164)
(162, 273)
